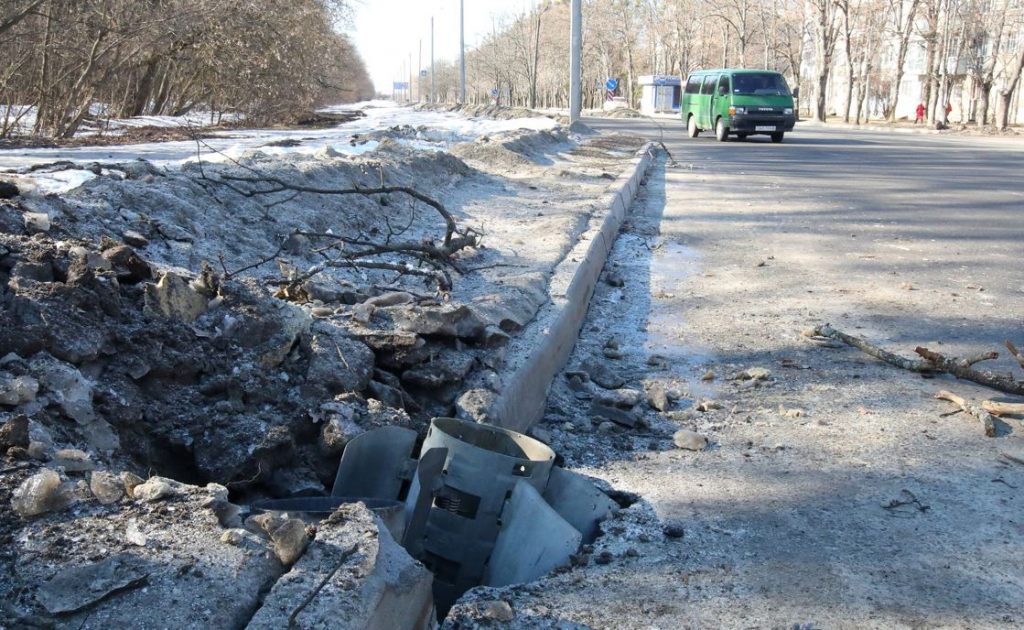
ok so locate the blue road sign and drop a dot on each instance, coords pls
(612, 84)
(423, 73)
(400, 85)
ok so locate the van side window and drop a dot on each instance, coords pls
(709, 84)
(723, 83)
(693, 84)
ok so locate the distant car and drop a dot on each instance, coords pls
(617, 102)
(737, 102)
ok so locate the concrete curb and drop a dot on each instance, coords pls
(525, 386)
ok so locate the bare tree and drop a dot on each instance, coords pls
(902, 14)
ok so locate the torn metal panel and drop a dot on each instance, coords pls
(483, 466)
(533, 540)
(425, 484)
(376, 464)
(578, 501)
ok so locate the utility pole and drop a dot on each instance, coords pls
(431, 58)
(575, 62)
(462, 52)
(419, 78)
(408, 89)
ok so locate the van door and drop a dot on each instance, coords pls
(691, 97)
(721, 99)
(707, 92)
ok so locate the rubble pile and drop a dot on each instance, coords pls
(164, 362)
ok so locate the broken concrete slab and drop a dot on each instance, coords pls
(14, 433)
(42, 492)
(76, 588)
(441, 321)
(623, 417)
(17, 390)
(175, 298)
(353, 575)
(602, 374)
(337, 362)
(89, 570)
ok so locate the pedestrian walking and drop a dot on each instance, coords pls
(920, 114)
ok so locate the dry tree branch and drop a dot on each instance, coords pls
(930, 361)
(998, 408)
(987, 420)
(280, 185)
(914, 365)
(960, 368)
(1015, 353)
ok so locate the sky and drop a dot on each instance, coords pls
(386, 32)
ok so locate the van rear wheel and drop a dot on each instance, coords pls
(721, 131)
(691, 127)
(777, 136)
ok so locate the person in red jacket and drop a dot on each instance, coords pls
(920, 113)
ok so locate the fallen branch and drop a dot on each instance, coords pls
(1015, 353)
(443, 280)
(987, 420)
(279, 185)
(1000, 409)
(929, 362)
(914, 365)
(961, 369)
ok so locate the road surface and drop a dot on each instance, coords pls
(838, 492)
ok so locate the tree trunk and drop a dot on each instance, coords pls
(901, 58)
(1006, 94)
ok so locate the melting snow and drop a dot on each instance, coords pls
(437, 131)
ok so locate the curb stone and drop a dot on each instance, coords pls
(542, 353)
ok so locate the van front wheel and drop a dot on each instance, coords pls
(721, 131)
(691, 127)
(777, 136)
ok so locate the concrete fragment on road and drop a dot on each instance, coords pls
(353, 575)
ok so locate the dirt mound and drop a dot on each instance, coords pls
(623, 112)
(498, 112)
(514, 150)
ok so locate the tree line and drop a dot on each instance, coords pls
(846, 56)
(64, 61)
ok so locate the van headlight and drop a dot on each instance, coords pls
(788, 111)
(737, 110)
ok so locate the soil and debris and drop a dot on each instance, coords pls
(176, 341)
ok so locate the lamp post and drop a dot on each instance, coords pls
(575, 62)
(462, 52)
(431, 58)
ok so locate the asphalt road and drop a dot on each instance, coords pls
(838, 492)
(928, 211)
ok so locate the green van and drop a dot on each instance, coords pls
(737, 102)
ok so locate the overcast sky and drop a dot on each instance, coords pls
(386, 32)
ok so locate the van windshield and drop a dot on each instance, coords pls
(759, 84)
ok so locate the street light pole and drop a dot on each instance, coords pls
(575, 62)
(431, 59)
(462, 53)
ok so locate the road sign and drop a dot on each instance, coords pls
(400, 85)
(423, 73)
(612, 84)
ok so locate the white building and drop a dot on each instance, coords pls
(963, 93)
(659, 93)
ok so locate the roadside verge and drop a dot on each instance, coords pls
(541, 351)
